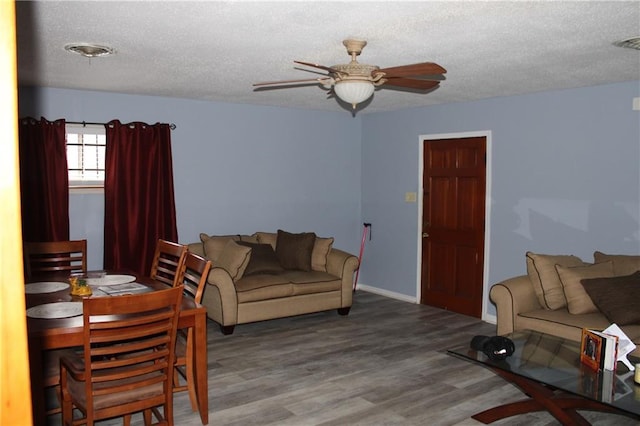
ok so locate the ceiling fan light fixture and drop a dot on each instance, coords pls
(89, 50)
(354, 91)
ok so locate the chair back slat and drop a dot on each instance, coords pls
(196, 272)
(168, 262)
(55, 256)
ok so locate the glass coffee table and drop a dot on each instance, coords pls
(548, 370)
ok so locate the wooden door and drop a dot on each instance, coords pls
(453, 224)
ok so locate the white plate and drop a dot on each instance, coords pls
(55, 310)
(45, 287)
(111, 280)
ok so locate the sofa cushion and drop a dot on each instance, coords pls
(234, 258)
(622, 264)
(294, 250)
(578, 301)
(316, 287)
(276, 291)
(257, 287)
(560, 322)
(616, 297)
(321, 249)
(541, 269)
(263, 259)
(301, 277)
(252, 282)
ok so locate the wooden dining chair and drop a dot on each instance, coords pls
(128, 360)
(168, 262)
(50, 257)
(51, 378)
(196, 272)
(55, 256)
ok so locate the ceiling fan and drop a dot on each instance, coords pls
(355, 82)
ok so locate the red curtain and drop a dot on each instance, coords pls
(139, 199)
(44, 180)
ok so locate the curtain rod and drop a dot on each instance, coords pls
(84, 123)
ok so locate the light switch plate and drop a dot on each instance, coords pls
(410, 197)
(636, 104)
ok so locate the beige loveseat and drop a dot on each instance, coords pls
(272, 275)
(562, 294)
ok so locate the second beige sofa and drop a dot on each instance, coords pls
(538, 301)
(239, 291)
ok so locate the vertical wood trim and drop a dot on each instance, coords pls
(15, 388)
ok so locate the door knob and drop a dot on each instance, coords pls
(425, 235)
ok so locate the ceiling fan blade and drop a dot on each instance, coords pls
(411, 83)
(322, 67)
(270, 83)
(413, 70)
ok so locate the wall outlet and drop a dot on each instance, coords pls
(410, 197)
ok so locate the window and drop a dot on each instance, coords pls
(86, 144)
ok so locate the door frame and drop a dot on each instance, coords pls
(487, 210)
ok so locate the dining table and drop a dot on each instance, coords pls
(48, 329)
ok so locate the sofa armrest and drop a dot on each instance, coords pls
(343, 265)
(220, 298)
(512, 297)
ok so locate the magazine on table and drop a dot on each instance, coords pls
(625, 345)
(126, 288)
(598, 350)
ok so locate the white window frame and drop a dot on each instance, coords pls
(86, 186)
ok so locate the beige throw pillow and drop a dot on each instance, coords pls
(578, 301)
(541, 269)
(213, 245)
(320, 252)
(623, 264)
(234, 258)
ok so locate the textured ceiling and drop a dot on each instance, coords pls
(213, 50)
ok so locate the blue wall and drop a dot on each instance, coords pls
(237, 168)
(565, 172)
(565, 178)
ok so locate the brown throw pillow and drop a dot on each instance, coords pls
(618, 298)
(263, 259)
(294, 250)
(267, 238)
(578, 301)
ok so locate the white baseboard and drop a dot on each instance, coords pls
(386, 293)
(490, 318)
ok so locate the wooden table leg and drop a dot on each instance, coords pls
(37, 382)
(200, 358)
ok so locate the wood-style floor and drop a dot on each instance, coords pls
(383, 364)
